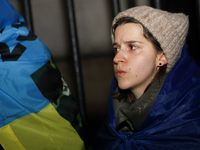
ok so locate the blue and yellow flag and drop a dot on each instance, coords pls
(35, 101)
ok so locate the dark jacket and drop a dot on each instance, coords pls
(173, 121)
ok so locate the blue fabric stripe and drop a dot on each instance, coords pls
(19, 96)
(8, 15)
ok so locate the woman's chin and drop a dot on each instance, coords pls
(123, 87)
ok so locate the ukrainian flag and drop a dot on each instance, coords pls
(32, 92)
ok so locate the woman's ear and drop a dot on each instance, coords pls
(161, 59)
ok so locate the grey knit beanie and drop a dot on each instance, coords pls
(169, 29)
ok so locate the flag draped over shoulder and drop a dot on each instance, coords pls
(173, 122)
(36, 107)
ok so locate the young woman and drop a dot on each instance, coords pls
(155, 100)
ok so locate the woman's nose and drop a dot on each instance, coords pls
(119, 57)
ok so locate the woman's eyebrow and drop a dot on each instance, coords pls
(128, 42)
(115, 44)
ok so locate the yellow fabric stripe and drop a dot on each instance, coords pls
(6, 136)
(44, 130)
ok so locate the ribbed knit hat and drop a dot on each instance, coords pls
(169, 29)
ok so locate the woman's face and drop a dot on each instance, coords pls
(136, 61)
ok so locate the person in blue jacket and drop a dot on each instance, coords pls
(155, 94)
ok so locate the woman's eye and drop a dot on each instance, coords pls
(133, 47)
(116, 50)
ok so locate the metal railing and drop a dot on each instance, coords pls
(74, 45)
(28, 15)
(193, 39)
(76, 57)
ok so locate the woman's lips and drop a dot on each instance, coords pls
(120, 73)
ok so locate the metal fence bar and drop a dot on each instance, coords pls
(116, 7)
(76, 58)
(156, 4)
(198, 18)
(28, 14)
